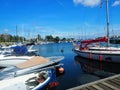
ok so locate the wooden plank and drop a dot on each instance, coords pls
(113, 87)
(83, 89)
(112, 80)
(104, 86)
(91, 88)
(117, 80)
(97, 87)
(113, 84)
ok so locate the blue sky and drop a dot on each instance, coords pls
(68, 18)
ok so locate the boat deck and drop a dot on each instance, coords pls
(37, 60)
(110, 83)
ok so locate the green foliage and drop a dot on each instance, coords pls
(49, 38)
(56, 39)
(10, 38)
(39, 37)
(63, 39)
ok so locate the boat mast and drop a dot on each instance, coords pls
(107, 20)
(17, 32)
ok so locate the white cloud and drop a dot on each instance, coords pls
(90, 3)
(116, 3)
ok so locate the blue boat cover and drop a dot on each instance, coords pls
(20, 49)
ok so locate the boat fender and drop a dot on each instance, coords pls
(61, 70)
(53, 84)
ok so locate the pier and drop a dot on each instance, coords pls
(110, 83)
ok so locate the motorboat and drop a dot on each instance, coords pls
(15, 54)
(13, 60)
(17, 50)
(32, 81)
(29, 66)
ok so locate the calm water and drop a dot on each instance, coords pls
(78, 70)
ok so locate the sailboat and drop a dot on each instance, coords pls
(108, 54)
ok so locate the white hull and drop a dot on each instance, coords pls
(23, 82)
(104, 48)
(36, 63)
(109, 56)
(10, 56)
(13, 60)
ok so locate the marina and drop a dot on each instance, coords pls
(59, 45)
(78, 70)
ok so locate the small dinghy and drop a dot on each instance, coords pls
(34, 80)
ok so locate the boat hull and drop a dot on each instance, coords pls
(29, 66)
(13, 60)
(20, 83)
(107, 56)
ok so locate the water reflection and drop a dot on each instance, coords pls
(100, 69)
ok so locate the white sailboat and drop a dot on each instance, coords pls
(109, 54)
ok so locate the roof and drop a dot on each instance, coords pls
(37, 60)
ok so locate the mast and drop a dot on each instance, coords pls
(107, 20)
(17, 32)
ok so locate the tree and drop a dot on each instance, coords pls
(39, 37)
(63, 39)
(1, 38)
(11, 38)
(56, 39)
(49, 38)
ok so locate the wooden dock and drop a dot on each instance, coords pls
(110, 83)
